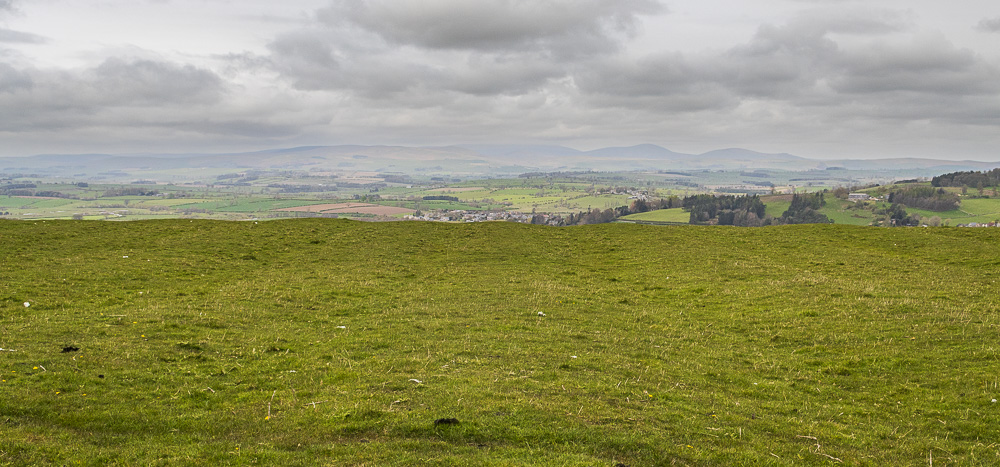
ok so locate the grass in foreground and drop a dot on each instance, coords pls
(339, 342)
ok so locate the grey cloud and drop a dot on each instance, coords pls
(32, 99)
(849, 20)
(802, 65)
(381, 49)
(312, 63)
(146, 82)
(317, 60)
(308, 60)
(7, 35)
(491, 76)
(777, 62)
(989, 25)
(928, 65)
(561, 27)
(12, 80)
(799, 63)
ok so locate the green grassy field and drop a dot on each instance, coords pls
(335, 342)
(971, 210)
(675, 215)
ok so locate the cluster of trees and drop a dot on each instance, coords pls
(896, 215)
(18, 189)
(924, 197)
(18, 192)
(968, 179)
(805, 210)
(743, 211)
(53, 194)
(130, 191)
(397, 178)
(28, 189)
(748, 211)
(597, 216)
(16, 186)
(440, 198)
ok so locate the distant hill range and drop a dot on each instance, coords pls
(484, 160)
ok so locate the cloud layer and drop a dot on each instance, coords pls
(835, 79)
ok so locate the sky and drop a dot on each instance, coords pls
(824, 79)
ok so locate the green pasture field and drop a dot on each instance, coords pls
(335, 342)
(776, 207)
(970, 210)
(986, 208)
(677, 215)
(440, 205)
(12, 203)
(173, 202)
(837, 210)
(263, 205)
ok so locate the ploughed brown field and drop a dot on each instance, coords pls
(350, 208)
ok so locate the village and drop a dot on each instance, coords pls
(470, 216)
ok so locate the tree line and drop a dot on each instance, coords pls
(749, 211)
(968, 179)
(925, 197)
(598, 216)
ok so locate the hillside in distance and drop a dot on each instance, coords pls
(469, 160)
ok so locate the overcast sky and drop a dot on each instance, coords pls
(816, 78)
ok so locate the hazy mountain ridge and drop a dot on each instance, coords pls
(479, 159)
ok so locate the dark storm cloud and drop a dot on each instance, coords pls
(559, 27)
(989, 25)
